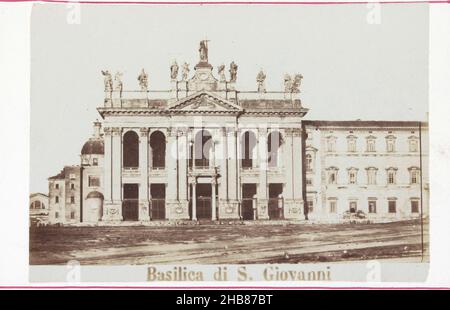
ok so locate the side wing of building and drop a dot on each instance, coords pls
(368, 169)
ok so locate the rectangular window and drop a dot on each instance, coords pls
(72, 186)
(94, 181)
(56, 199)
(414, 206)
(333, 206)
(413, 146)
(72, 199)
(351, 146)
(56, 215)
(332, 178)
(330, 146)
(391, 177)
(370, 146)
(95, 162)
(392, 206)
(372, 206)
(414, 177)
(57, 186)
(72, 215)
(308, 181)
(390, 146)
(371, 177)
(352, 177)
(352, 206)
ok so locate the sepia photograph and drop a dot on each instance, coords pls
(290, 135)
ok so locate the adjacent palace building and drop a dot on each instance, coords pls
(204, 150)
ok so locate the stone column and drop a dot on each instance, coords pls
(194, 199)
(107, 174)
(288, 162)
(107, 166)
(213, 199)
(263, 166)
(232, 205)
(172, 176)
(183, 150)
(143, 169)
(297, 210)
(293, 206)
(223, 171)
(112, 211)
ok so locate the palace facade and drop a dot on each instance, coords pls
(204, 150)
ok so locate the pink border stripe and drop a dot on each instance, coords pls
(230, 2)
(232, 287)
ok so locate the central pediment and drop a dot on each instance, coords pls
(204, 102)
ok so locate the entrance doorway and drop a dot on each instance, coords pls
(204, 201)
(158, 201)
(248, 200)
(130, 203)
(275, 201)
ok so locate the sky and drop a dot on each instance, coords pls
(352, 68)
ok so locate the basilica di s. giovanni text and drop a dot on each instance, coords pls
(204, 150)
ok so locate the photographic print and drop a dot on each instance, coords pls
(229, 142)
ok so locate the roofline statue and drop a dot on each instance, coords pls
(203, 51)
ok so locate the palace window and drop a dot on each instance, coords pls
(308, 162)
(391, 175)
(332, 175)
(392, 206)
(372, 206)
(414, 175)
(371, 175)
(390, 144)
(309, 181)
(56, 186)
(331, 144)
(93, 181)
(370, 144)
(72, 186)
(333, 206)
(72, 215)
(56, 199)
(414, 206)
(351, 144)
(72, 199)
(56, 215)
(413, 144)
(352, 175)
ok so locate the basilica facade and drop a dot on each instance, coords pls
(204, 150)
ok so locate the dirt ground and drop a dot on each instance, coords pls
(228, 244)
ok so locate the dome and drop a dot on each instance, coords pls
(95, 194)
(93, 146)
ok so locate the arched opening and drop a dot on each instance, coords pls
(158, 145)
(248, 144)
(37, 205)
(130, 150)
(203, 145)
(274, 142)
